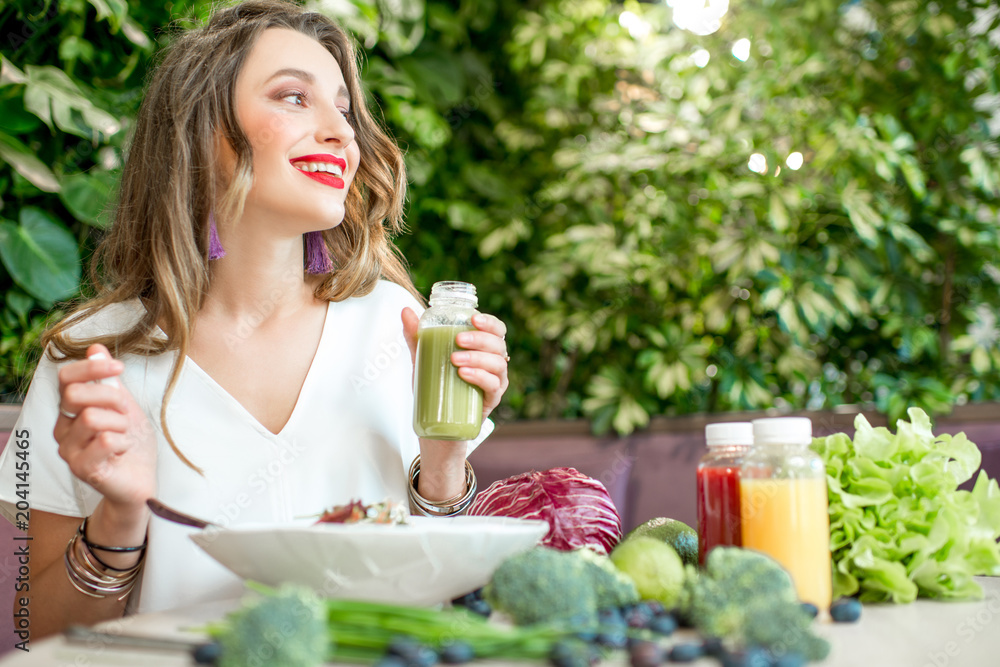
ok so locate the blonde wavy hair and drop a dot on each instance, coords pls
(157, 248)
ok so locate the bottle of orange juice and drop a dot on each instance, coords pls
(783, 504)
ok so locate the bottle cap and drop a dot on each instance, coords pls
(782, 431)
(729, 433)
(455, 291)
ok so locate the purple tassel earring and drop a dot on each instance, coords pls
(317, 255)
(215, 249)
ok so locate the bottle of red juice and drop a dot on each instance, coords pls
(719, 486)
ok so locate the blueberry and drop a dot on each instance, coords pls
(752, 657)
(713, 646)
(481, 607)
(686, 652)
(612, 638)
(845, 610)
(655, 607)
(457, 653)
(610, 618)
(758, 657)
(644, 653)
(639, 616)
(790, 660)
(570, 654)
(412, 652)
(464, 600)
(812, 609)
(405, 647)
(427, 657)
(663, 625)
(207, 654)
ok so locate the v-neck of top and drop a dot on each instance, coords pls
(306, 384)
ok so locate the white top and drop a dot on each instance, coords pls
(349, 436)
(782, 431)
(729, 433)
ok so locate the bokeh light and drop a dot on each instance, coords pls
(701, 57)
(636, 26)
(758, 163)
(741, 49)
(702, 17)
(794, 160)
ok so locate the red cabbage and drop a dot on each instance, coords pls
(578, 508)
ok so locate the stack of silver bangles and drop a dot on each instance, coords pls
(450, 507)
(89, 575)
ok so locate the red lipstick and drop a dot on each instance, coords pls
(321, 176)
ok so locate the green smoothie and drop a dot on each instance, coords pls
(445, 407)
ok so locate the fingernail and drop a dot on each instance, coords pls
(464, 338)
(460, 357)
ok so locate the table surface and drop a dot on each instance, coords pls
(922, 634)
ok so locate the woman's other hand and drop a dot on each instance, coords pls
(483, 359)
(103, 435)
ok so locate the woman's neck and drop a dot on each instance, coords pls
(259, 278)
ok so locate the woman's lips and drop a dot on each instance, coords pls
(325, 178)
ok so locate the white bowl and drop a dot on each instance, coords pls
(427, 561)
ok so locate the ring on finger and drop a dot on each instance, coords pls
(66, 413)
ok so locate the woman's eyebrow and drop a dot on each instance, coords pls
(291, 71)
(307, 77)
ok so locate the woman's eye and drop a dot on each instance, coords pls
(298, 99)
(348, 116)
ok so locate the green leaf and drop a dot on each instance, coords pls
(864, 218)
(778, 213)
(13, 118)
(51, 94)
(914, 176)
(86, 197)
(17, 155)
(41, 255)
(9, 74)
(19, 302)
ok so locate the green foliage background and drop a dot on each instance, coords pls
(590, 172)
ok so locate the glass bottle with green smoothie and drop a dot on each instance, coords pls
(445, 407)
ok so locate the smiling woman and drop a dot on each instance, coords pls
(249, 354)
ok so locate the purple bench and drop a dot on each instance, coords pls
(652, 473)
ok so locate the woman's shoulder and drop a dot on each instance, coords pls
(108, 320)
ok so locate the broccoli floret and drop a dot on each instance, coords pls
(782, 627)
(282, 628)
(544, 585)
(612, 587)
(749, 599)
(750, 572)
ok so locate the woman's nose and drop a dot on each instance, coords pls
(336, 128)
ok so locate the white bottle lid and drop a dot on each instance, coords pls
(782, 431)
(729, 433)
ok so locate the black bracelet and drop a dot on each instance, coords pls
(118, 550)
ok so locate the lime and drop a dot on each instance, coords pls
(677, 534)
(654, 567)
